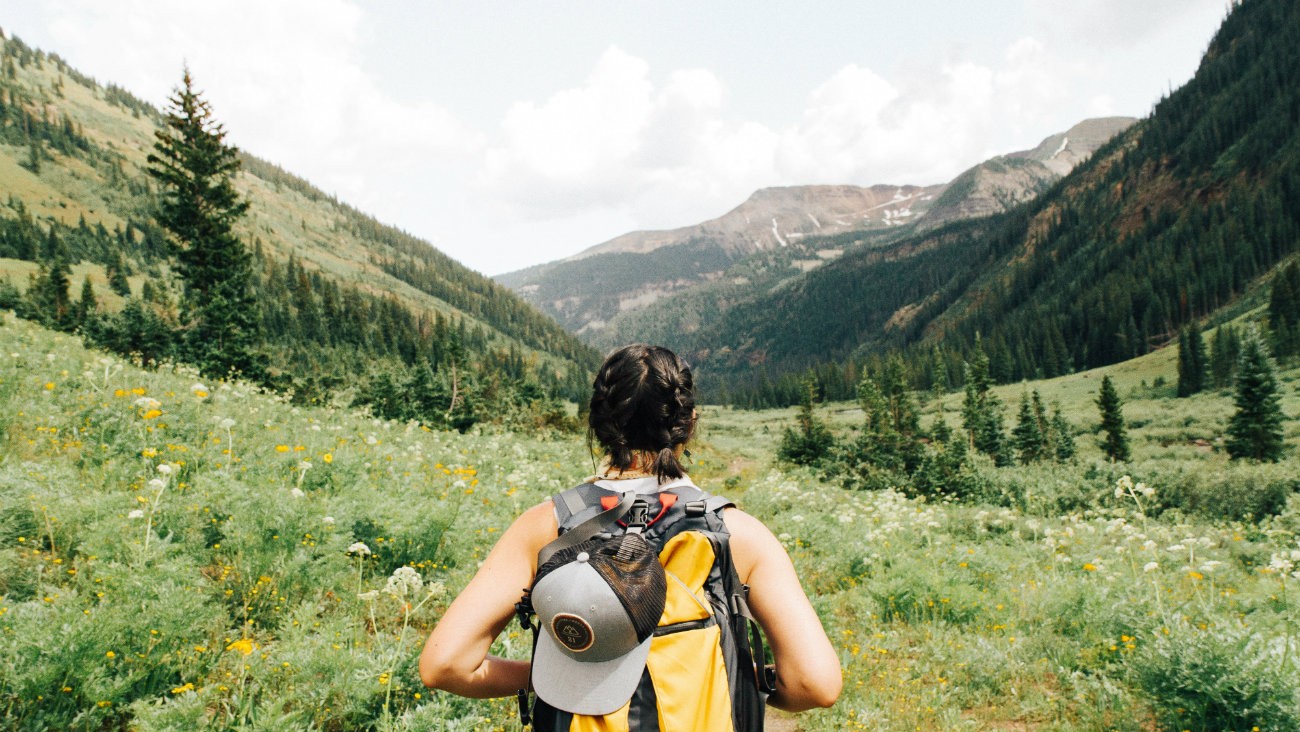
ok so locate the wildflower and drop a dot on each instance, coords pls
(1145, 489)
(435, 589)
(151, 414)
(328, 458)
(244, 645)
(49, 386)
(405, 581)
(227, 423)
(199, 391)
(1150, 566)
(296, 492)
(1281, 563)
(145, 402)
(370, 596)
(157, 484)
(135, 514)
(282, 448)
(188, 686)
(304, 465)
(110, 654)
(165, 468)
(1089, 567)
(359, 548)
(328, 521)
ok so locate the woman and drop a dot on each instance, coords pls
(642, 415)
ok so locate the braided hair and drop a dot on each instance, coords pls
(643, 401)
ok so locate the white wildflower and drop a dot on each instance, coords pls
(157, 484)
(296, 492)
(1211, 565)
(328, 521)
(359, 548)
(1145, 489)
(404, 582)
(198, 388)
(1150, 566)
(370, 596)
(145, 402)
(435, 589)
(165, 468)
(1280, 563)
(1177, 548)
(135, 514)
(227, 423)
(304, 465)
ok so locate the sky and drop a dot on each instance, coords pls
(509, 134)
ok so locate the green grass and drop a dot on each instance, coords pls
(219, 593)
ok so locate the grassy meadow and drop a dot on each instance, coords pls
(178, 554)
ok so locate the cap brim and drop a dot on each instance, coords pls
(592, 687)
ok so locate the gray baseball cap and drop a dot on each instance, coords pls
(598, 604)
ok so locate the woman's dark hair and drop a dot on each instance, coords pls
(643, 400)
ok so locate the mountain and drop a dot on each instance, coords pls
(342, 297)
(1002, 182)
(1162, 227)
(809, 224)
(650, 265)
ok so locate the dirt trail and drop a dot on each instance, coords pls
(778, 722)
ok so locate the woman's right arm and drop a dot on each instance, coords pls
(807, 668)
(455, 657)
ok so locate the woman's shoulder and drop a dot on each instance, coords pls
(751, 541)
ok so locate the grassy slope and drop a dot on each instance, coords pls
(232, 599)
(314, 228)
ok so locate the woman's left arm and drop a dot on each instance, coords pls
(807, 668)
(455, 657)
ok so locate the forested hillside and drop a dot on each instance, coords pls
(345, 302)
(1164, 225)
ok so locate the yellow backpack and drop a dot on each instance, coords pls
(705, 671)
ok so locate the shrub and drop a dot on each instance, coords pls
(1220, 678)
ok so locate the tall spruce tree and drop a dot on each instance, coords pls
(1030, 433)
(1193, 366)
(1255, 430)
(199, 207)
(1115, 443)
(981, 410)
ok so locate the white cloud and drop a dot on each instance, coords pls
(284, 77)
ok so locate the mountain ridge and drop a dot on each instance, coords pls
(816, 223)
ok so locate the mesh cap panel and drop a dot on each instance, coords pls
(629, 566)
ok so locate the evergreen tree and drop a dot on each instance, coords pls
(812, 439)
(1193, 364)
(981, 411)
(199, 207)
(117, 281)
(86, 305)
(1115, 444)
(1284, 311)
(1061, 436)
(1030, 434)
(1255, 430)
(1225, 350)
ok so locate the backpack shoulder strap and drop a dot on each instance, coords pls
(573, 534)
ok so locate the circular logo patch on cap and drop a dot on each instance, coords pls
(573, 632)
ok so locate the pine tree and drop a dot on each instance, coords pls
(1115, 444)
(86, 305)
(1030, 433)
(1062, 436)
(981, 411)
(1255, 430)
(1193, 364)
(199, 207)
(812, 440)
